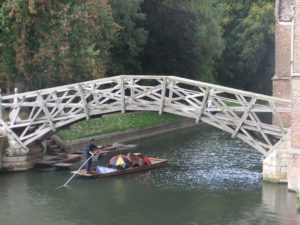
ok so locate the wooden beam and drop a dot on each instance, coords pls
(13, 135)
(163, 94)
(83, 100)
(277, 118)
(42, 104)
(203, 105)
(244, 117)
(181, 99)
(123, 106)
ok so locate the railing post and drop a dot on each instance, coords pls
(204, 101)
(163, 94)
(84, 103)
(123, 107)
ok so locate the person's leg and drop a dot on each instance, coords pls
(89, 165)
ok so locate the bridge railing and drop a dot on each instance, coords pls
(29, 116)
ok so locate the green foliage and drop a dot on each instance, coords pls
(184, 38)
(56, 42)
(129, 42)
(78, 39)
(248, 59)
(10, 38)
(114, 123)
(50, 42)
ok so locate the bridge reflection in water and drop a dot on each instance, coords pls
(210, 179)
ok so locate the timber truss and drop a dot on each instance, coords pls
(26, 117)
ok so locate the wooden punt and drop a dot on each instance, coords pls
(75, 160)
(117, 147)
(155, 163)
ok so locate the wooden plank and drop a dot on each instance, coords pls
(203, 105)
(123, 106)
(83, 100)
(181, 101)
(14, 136)
(277, 118)
(229, 90)
(163, 94)
(244, 117)
(41, 102)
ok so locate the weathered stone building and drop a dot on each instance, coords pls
(285, 163)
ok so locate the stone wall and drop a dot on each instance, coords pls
(286, 84)
(24, 161)
(294, 161)
(275, 166)
(293, 172)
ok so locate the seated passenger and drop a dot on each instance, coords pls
(147, 161)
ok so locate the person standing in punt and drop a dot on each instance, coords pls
(90, 148)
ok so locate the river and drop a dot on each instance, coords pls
(210, 179)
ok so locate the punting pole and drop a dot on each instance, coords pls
(68, 181)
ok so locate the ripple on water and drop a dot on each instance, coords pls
(211, 161)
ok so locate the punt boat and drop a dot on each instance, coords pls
(108, 172)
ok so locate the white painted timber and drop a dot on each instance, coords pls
(34, 114)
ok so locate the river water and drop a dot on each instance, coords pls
(210, 179)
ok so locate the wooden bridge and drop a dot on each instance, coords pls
(26, 117)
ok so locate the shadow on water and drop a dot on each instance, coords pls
(210, 179)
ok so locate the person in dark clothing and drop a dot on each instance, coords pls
(90, 148)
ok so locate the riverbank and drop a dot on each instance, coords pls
(128, 135)
(116, 122)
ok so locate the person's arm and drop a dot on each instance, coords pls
(91, 149)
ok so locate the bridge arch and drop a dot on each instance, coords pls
(31, 115)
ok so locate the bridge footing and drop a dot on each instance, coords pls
(275, 166)
(283, 166)
(293, 175)
(17, 161)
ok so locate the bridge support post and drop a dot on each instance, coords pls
(275, 165)
(14, 160)
(14, 157)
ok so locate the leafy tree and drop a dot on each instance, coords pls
(184, 38)
(248, 59)
(56, 42)
(129, 42)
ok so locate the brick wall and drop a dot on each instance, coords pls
(295, 119)
(295, 82)
(296, 63)
(282, 50)
(281, 89)
(283, 28)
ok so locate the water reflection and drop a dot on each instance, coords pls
(210, 179)
(280, 203)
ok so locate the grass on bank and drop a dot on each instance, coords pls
(113, 123)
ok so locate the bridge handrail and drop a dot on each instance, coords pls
(150, 77)
(46, 110)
